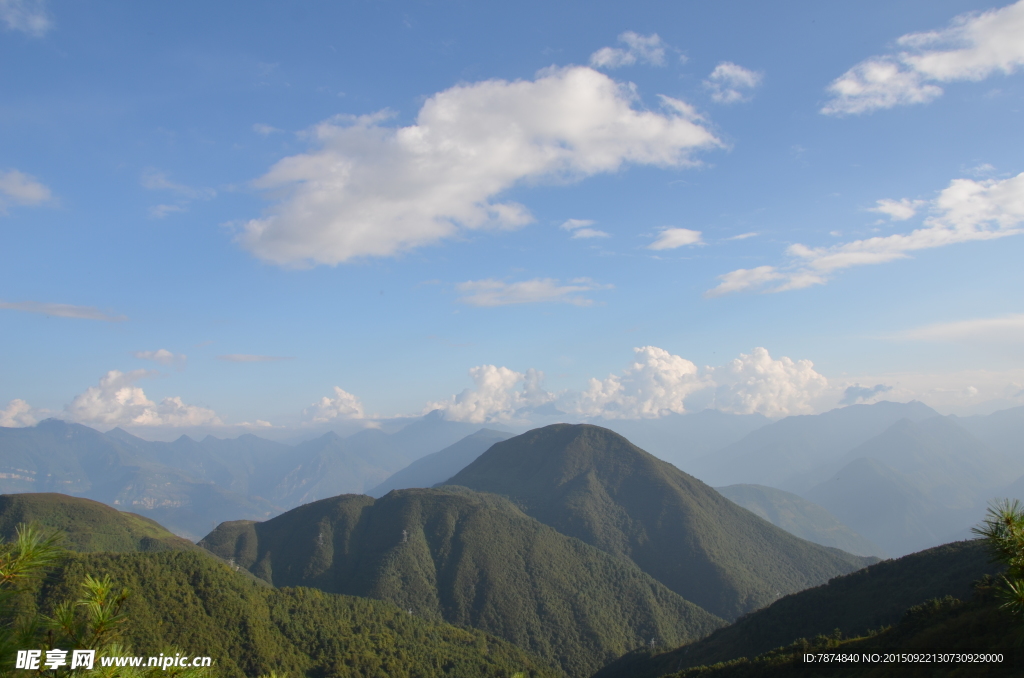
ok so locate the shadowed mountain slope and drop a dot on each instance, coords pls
(470, 559)
(199, 606)
(855, 604)
(440, 466)
(800, 517)
(87, 525)
(593, 484)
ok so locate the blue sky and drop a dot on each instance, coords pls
(218, 217)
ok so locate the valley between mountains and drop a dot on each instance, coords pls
(450, 550)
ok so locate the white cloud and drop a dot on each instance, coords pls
(898, 210)
(646, 49)
(162, 356)
(730, 83)
(264, 129)
(744, 279)
(671, 238)
(965, 211)
(775, 388)
(492, 292)
(27, 16)
(251, 358)
(19, 413)
(343, 405)
(373, 190)
(161, 211)
(18, 188)
(580, 229)
(61, 310)
(158, 181)
(116, 401)
(856, 393)
(743, 236)
(973, 47)
(1005, 328)
(655, 384)
(501, 394)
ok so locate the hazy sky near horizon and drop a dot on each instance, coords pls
(240, 214)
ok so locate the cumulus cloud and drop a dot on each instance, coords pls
(1006, 328)
(18, 188)
(343, 405)
(965, 211)
(656, 383)
(19, 413)
(251, 358)
(61, 310)
(645, 49)
(775, 388)
(898, 210)
(730, 83)
(117, 401)
(671, 238)
(373, 190)
(27, 16)
(972, 47)
(162, 356)
(580, 228)
(859, 394)
(492, 292)
(500, 394)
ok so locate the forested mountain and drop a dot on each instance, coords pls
(87, 525)
(469, 559)
(593, 484)
(855, 604)
(800, 517)
(440, 466)
(194, 604)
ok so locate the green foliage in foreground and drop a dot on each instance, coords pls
(854, 604)
(193, 603)
(87, 525)
(1003, 532)
(939, 625)
(470, 559)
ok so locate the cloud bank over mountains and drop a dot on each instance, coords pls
(370, 190)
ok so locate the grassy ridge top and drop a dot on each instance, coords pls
(201, 607)
(470, 559)
(87, 525)
(591, 483)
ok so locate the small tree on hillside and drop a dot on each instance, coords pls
(1003, 529)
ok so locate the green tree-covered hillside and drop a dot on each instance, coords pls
(470, 559)
(87, 525)
(593, 484)
(199, 606)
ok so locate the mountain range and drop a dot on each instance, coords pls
(190, 486)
